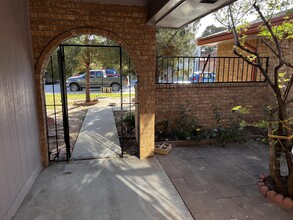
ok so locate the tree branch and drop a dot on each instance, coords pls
(276, 78)
(269, 46)
(236, 37)
(220, 21)
(266, 23)
(288, 64)
(258, 64)
(280, 53)
(289, 101)
(288, 88)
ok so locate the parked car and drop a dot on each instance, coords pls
(200, 76)
(112, 73)
(98, 78)
(50, 81)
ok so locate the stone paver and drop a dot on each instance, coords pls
(219, 183)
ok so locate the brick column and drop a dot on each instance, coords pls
(146, 93)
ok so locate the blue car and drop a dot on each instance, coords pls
(205, 77)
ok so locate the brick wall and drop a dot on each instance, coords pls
(54, 21)
(200, 100)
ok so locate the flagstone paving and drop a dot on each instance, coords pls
(221, 183)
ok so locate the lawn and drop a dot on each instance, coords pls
(75, 97)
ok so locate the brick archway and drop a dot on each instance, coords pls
(54, 21)
(42, 61)
(54, 43)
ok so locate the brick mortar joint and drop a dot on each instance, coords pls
(215, 85)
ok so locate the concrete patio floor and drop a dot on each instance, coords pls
(98, 184)
(220, 183)
(103, 189)
(214, 183)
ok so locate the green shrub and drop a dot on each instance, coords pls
(129, 117)
(185, 128)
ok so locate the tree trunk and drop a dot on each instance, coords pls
(274, 163)
(290, 174)
(287, 151)
(87, 85)
(276, 148)
(290, 184)
(283, 146)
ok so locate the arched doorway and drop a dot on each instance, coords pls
(66, 101)
(43, 60)
(67, 87)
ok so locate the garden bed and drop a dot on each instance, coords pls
(130, 145)
(267, 188)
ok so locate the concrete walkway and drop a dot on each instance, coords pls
(98, 137)
(102, 189)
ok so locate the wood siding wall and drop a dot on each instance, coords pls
(19, 143)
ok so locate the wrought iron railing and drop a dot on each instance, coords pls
(207, 70)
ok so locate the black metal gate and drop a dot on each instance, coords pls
(58, 130)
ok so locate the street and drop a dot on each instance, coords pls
(56, 89)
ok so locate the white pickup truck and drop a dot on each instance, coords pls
(98, 79)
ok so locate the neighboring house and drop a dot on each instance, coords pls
(225, 43)
(209, 64)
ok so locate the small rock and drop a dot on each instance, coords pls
(67, 173)
(113, 104)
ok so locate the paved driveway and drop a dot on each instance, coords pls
(220, 183)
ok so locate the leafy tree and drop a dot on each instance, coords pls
(82, 59)
(71, 63)
(241, 9)
(278, 40)
(86, 56)
(212, 29)
(108, 57)
(101, 57)
(51, 73)
(176, 42)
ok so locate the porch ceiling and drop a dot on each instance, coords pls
(123, 2)
(178, 13)
(173, 13)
